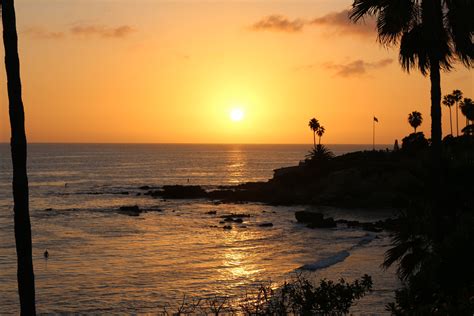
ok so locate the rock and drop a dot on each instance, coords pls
(238, 220)
(228, 219)
(308, 217)
(145, 187)
(183, 192)
(130, 210)
(315, 220)
(325, 223)
(371, 227)
(212, 213)
(227, 227)
(265, 225)
(155, 210)
(138, 194)
(124, 193)
(238, 215)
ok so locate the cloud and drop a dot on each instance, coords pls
(357, 67)
(340, 22)
(40, 33)
(336, 21)
(278, 23)
(102, 31)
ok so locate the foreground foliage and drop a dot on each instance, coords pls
(432, 244)
(299, 297)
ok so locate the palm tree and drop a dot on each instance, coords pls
(320, 132)
(415, 119)
(314, 125)
(457, 96)
(449, 102)
(467, 108)
(26, 283)
(430, 33)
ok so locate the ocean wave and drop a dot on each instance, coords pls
(326, 262)
(338, 257)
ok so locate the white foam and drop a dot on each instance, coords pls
(326, 262)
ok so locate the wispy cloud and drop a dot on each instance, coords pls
(81, 30)
(102, 31)
(40, 33)
(338, 22)
(278, 23)
(357, 67)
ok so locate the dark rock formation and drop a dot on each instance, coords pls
(314, 220)
(130, 210)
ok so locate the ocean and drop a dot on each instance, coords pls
(102, 261)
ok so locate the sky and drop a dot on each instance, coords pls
(144, 71)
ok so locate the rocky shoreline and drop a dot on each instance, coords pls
(369, 179)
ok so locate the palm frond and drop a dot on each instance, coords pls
(460, 21)
(413, 51)
(396, 17)
(360, 8)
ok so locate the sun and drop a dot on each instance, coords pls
(237, 114)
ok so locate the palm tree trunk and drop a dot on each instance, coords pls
(435, 78)
(457, 119)
(319, 140)
(314, 139)
(25, 275)
(450, 121)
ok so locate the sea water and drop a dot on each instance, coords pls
(102, 261)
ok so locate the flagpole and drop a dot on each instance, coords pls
(373, 133)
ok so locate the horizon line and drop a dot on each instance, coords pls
(171, 143)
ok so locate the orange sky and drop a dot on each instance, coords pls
(171, 71)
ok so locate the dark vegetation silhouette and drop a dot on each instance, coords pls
(414, 142)
(415, 119)
(431, 35)
(314, 125)
(319, 154)
(297, 297)
(26, 286)
(320, 132)
(436, 278)
(467, 109)
(448, 101)
(437, 231)
(456, 95)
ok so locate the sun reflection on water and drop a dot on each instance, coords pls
(237, 164)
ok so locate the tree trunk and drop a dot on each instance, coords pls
(25, 275)
(319, 140)
(450, 121)
(436, 133)
(457, 119)
(314, 139)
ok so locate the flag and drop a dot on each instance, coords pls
(375, 119)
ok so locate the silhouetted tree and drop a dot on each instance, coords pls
(415, 119)
(26, 286)
(314, 125)
(430, 33)
(448, 101)
(320, 132)
(467, 108)
(457, 96)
